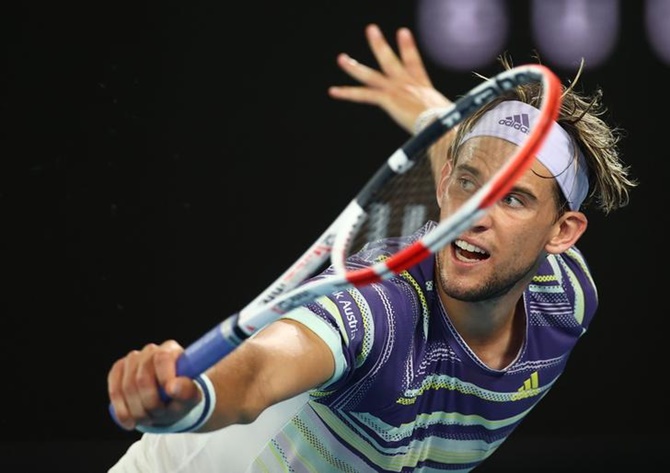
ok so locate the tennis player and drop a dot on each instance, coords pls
(428, 371)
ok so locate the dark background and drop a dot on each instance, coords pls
(161, 162)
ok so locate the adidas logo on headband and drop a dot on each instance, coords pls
(519, 122)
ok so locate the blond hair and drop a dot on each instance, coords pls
(582, 116)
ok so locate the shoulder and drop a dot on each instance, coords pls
(565, 279)
(573, 265)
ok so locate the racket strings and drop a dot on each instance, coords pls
(402, 206)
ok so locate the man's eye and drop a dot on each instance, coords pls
(512, 200)
(466, 184)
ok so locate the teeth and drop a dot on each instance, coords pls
(468, 247)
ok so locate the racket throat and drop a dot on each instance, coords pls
(232, 331)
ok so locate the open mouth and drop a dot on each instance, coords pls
(466, 252)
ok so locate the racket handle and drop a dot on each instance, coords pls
(210, 348)
(203, 353)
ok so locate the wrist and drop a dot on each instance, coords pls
(426, 117)
(196, 417)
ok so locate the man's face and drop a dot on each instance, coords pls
(504, 247)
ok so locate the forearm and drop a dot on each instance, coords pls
(279, 362)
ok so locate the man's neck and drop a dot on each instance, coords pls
(493, 330)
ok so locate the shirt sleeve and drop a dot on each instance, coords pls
(328, 334)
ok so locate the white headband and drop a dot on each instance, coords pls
(510, 120)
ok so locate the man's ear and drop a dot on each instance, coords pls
(441, 187)
(568, 229)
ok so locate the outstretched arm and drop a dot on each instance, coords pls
(279, 362)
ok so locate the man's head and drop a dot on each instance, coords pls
(578, 165)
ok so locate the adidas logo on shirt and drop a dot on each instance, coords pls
(529, 387)
(519, 122)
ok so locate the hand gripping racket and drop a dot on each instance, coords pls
(405, 177)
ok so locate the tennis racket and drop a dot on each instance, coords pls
(402, 190)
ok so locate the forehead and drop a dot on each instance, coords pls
(487, 154)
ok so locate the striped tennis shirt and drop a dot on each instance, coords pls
(408, 395)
